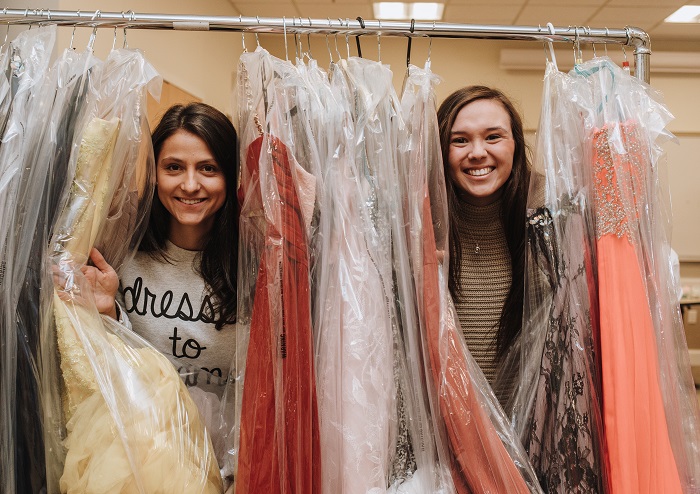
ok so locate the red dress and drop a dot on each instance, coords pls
(279, 438)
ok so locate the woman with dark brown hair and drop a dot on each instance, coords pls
(179, 291)
(487, 177)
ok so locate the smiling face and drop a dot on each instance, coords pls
(191, 186)
(481, 151)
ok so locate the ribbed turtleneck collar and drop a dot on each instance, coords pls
(472, 216)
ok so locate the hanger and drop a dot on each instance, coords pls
(430, 48)
(408, 47)
(330, 55)
(607, 33)
(72, 36)
(347, 37)
(284, 28)
(550, 26)
(578, 56)
(93, 36)
(132, 14)
(337, 52)
(245, 49)
(257, 40)
(588, 32)
(297, 41)
(379, 42)
(309, 55)
(7, 33)
(357, 38)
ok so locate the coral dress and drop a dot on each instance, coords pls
(640, 454)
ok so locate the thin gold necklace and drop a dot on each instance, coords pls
(477, 249)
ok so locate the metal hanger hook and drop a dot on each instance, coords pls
(72, 36)
(607, 33)
(257, 40)
(330, 25)
(430, 46)
(284, 28)
(245, 49)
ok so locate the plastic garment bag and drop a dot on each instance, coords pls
(379, 131)
(278, 448)
(557, 405)
(39, 194)
(351, 324)
(365, 420)
(27, 98)
(484, 453)
(253, 69)
(130, 424)
(650, 411)
(5, 85)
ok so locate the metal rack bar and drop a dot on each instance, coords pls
(630, 36)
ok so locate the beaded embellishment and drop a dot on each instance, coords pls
(619, 163)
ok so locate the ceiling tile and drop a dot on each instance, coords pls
(675, 4)
(479, 14)
(267, 9)
(338, 3)
(642, 17)
(483, 3)
(281, 3)
(573, 3)
(669, 30)
(646, 14)
(561, 15)
(335, 11)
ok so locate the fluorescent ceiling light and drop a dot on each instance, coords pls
(423, 11)
(687, 13)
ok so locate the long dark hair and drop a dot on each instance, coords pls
(514, 200)
(218, 259)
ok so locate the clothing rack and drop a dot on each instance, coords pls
(629, 36)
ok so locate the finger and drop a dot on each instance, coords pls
(99, 260)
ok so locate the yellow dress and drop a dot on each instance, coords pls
(131, 424)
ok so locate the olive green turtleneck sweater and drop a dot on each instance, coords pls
(484, 277)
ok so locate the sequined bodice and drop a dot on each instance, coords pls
(620, 158)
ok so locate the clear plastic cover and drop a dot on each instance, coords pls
(124, 419)
(372, 402)
(328, 157)
(556, 407)
(277, 438)
(26, 93)
(485, 454)
(650, 408)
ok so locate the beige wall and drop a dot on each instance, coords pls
(204, 64)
